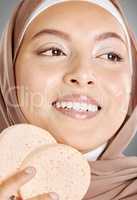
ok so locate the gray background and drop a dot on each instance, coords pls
(130, 7)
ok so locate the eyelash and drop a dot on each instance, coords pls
(115, 56)
(51, 49)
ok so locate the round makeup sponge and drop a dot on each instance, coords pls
(16, 142)
(61, 169)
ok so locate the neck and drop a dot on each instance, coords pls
(95, 153)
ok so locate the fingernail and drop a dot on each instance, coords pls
(30, 170)
(54, 196)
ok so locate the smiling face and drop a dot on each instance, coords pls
(74, 48)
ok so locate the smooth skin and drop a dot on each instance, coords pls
(50, 65)
(11, 185)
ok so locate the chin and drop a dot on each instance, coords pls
(82, 147)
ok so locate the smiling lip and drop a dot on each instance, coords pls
(79, 99)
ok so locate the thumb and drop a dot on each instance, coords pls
(46, 196)
(11, 185)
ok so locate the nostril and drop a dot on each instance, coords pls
(73, 81)
(89, 82)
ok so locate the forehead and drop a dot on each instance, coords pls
(79, 16)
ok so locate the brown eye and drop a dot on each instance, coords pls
(113, 57)
(52, 52)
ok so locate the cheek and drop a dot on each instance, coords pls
(38, 83)
(119, 87)
(117, 83)
(35, 75)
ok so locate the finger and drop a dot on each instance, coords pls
(47, 196)
(11, 185)
(15, 198)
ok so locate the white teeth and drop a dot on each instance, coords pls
(84, 106)
(92, 108)
(77, 106)
(58, 105)
(63, 104)
(69, 105)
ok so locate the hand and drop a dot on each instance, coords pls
(11, 186)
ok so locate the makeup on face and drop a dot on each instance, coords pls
(77, 106)
(106, 4)
(78, 73)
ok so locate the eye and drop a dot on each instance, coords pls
(113, 57)
(52, 51)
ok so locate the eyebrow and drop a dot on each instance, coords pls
(67, 37)
(107, 35)
(58, 33)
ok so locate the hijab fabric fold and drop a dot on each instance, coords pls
(113, 175)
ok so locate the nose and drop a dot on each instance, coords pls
(81, 76)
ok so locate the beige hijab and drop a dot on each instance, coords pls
(114, 176)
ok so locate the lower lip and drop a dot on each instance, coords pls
(77, 114)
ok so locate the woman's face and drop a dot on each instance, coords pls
(76, 49)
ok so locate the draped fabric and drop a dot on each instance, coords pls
(113, 175)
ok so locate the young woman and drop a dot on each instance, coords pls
(70, 68)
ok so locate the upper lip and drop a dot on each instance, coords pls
(78, 98)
